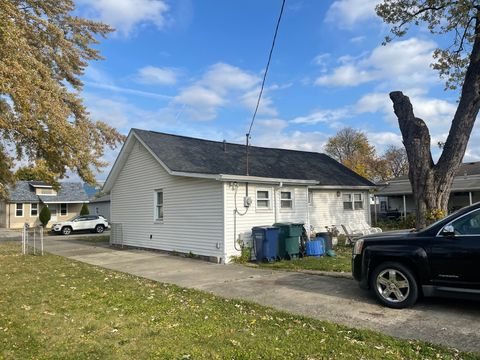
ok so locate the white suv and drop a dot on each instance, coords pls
(94, 223)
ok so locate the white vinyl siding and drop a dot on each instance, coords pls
(258, 217)
(193, 208)
(328, 208)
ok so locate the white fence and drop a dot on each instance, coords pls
(32, 240)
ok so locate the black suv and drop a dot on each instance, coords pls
(443, 259)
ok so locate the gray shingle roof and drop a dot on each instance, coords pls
(22, 191)
(191, 155)
(467, 179)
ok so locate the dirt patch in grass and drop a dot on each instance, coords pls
(52, 307)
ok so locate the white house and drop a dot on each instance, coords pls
(183, 194)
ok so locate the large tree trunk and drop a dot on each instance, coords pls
(432, 183)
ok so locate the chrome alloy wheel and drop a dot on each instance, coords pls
(393, 285)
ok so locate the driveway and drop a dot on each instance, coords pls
(449, 322)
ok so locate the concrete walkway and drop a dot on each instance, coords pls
(449, 322)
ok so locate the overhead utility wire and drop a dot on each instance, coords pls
(264, 77)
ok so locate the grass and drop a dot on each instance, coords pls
(56, 308)
(341, 262)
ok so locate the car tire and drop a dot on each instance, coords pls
(99, 229)
(394, 285)
(66, 230)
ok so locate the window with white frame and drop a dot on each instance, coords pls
(286, 200)
(310, 198)
(263, 199)
(19, 210)
(358, 201)
(34, 209)
(353, 201)
(63, 209)
(159, 205)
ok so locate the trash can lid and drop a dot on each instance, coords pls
(264, 227)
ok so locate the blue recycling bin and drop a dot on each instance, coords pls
(315, 247)
(265, 242)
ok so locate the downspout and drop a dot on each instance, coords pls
(308, 216)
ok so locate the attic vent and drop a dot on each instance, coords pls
(224, 146)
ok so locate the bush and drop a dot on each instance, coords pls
(84, 210)
(45, 215)
(244, 256)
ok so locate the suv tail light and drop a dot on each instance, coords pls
(358, 247)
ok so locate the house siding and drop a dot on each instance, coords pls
(193, 208)
(17, 222)
(259, 217)
(327, 209)
(103, 209)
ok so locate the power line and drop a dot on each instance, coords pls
(263, 82)
(266, 68)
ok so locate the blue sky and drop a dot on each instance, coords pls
(194, 68)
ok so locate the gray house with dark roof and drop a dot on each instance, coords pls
(26, 198)
(396, 194)
(184, 194)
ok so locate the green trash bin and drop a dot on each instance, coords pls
(289, 239)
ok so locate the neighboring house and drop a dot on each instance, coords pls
(26, 199)
(100, 206)
(183, 194)
(93, 190)
(396, 195)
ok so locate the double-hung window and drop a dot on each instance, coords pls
(286, 200)
(19, 210)
(158, 205)
(63, 209)
(353, 201)
(34, 209)
(358, 201)
(263, 199)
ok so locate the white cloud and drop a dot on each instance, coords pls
(125, 15)
(157, 76)
(250, 98)
(202, 103)
(348, 13)
(330, 116)
(223, 77)
(401, 63)
(274, 133)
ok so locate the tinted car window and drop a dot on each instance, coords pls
(468, 225)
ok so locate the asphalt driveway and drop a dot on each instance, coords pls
(449, 322)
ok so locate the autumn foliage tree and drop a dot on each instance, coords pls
(44, 50)
(458, 63)
(352, 148)
(396, 161)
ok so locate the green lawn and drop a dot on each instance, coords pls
(56, 308)
(341, 262)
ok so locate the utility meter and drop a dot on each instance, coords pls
(247, 201)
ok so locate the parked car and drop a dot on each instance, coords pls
(95, 223)
(441, 260)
